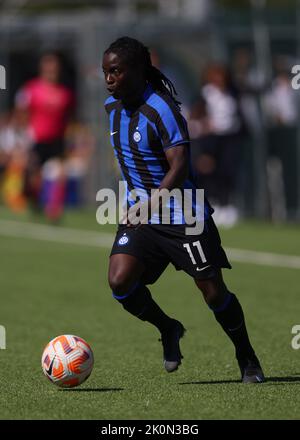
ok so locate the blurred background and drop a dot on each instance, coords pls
(231, 64)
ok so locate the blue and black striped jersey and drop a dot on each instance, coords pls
(141, 137)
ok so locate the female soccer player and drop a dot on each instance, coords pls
(151, 143)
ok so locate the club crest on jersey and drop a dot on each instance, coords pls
(137, 136)
(123, 240)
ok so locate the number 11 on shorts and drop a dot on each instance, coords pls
(200, 250)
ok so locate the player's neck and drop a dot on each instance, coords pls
(135, 99)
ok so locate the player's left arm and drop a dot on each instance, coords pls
(178, 160)
(172, 129)
(174, 136)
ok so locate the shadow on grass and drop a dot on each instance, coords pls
(270, 380)
(92, 390)
(283, 379)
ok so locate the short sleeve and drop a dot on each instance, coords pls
(171, 126)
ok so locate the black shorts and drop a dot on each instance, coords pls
(49, 150)
(200, 256)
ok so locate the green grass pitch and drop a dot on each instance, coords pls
(49, 289)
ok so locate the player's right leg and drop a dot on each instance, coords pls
(128, 276)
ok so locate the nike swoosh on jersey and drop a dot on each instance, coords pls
(114, 132)
(202, 268)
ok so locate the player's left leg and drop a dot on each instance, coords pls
(229, 314)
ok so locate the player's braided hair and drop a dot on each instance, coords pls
(133, 52)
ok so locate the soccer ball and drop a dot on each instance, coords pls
(67, 361)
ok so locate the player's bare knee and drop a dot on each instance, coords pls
(214, 292)
(211, 297)
(119, 281)
(124, 271)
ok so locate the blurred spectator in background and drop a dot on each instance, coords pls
(280, 107)
(216, 125)
(250, 83)
(15, 143)
(49, 105)
(80, 146)
(280, 101)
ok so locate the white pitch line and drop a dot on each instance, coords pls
(10, 228)
(263, 258)
(55, 234)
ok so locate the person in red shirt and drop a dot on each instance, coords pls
(49, 105)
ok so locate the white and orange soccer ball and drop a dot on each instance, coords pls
(67, 361)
